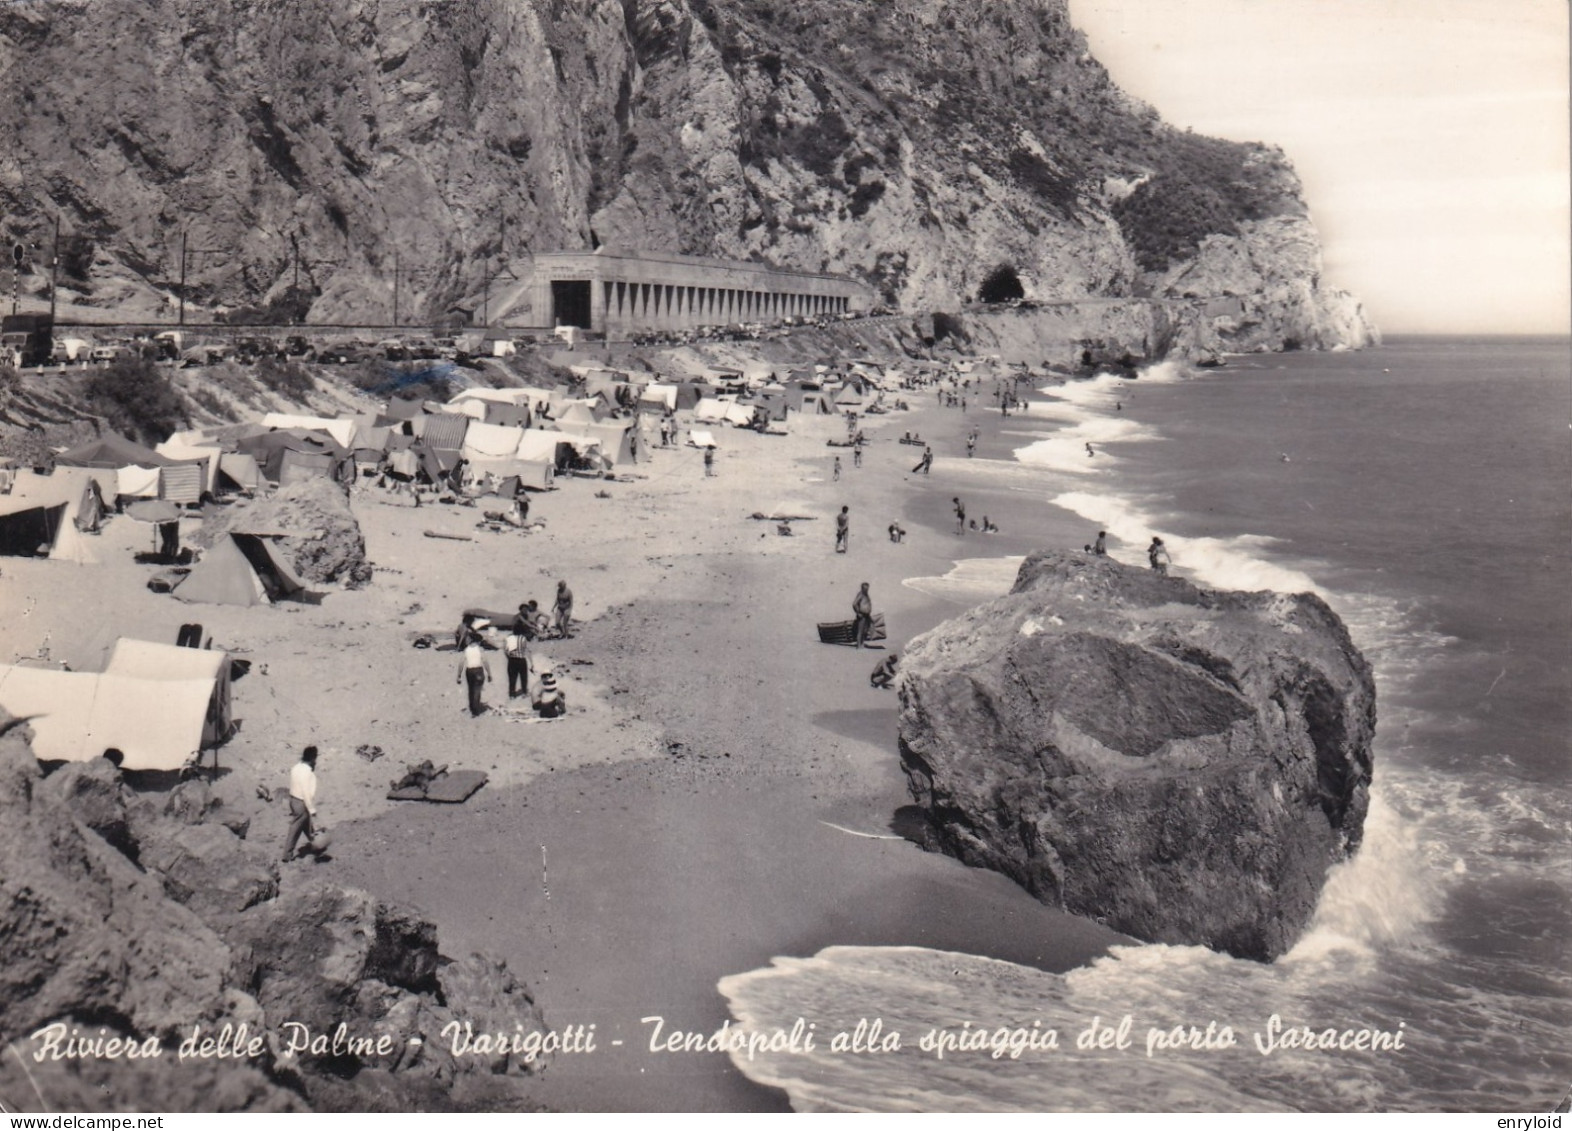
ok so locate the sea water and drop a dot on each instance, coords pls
(1425, 490)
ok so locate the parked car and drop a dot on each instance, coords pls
(338, 355)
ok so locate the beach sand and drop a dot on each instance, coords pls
(725, 789)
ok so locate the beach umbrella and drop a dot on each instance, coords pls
(154, 510)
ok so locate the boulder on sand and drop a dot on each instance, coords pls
(320, 533)
(1184, 764)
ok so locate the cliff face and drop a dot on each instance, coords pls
(1182, 763)
(915, 144)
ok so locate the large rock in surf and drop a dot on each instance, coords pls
(1184, 764)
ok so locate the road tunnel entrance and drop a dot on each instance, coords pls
(570, 302)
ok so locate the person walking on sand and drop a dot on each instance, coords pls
(862, 608)
(1100, 547)
(515, 646)
(835, 476)
(843, 530)
(971, 445)
(960, 516)
(302, 802)
(926, 462)
(709, 463)
(857, 455)
(1157, 555)
(884, 675)
(474, 668)
(564, 609)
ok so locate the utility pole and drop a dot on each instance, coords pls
(183, 277)
(54, 271)
(395, 288)
(18, 253)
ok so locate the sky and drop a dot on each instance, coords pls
(1431, 137)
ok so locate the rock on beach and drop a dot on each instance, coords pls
(1184, 764)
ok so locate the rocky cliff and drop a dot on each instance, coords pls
(308, 153)
(144, 915)
(1184, 764)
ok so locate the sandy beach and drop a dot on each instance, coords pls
(725, 789)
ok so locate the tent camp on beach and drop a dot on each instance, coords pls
(157, 704)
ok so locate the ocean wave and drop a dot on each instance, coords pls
(971, 581)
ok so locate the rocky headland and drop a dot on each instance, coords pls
(1183, 764)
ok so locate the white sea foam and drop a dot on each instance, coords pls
(1223, 563)
(972, 580)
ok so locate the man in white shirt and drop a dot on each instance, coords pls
(474, 669)
(516, 648)
(302, 801)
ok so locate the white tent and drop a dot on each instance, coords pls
(341, 430)
(654, 392)
(137, 482)
(710, 409)
(155, 709)
(491, 442)
(541, 444)
(739, 415)
(702, 439)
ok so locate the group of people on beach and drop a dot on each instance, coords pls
(529, 625)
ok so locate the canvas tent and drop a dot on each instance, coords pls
(268, 450)
(241, 470)
(701, 439)
(739, 415)
(661, 398)
(240, 569)
(616, 440)
(156, 709)
(28, 527)
(442, 430)
(182, 482)
(342, 431)
(111, 452)
(710, 410)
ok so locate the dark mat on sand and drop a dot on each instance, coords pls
(451, 788)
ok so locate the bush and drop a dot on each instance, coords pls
(289, 379)
(1202, 186)
(1001, 285)
(136, 395)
